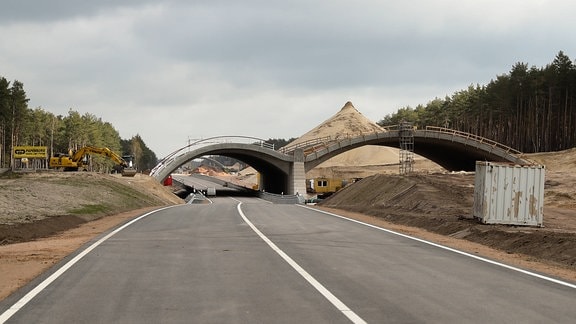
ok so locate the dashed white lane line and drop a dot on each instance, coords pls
(32, 293)
(325, 292)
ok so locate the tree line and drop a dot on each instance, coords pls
(23, 126)
(530, 109)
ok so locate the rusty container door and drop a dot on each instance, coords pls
(509, 194)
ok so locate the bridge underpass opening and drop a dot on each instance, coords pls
(270, 178)
(367, 160)
(453, 151)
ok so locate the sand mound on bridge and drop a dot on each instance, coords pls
(360, 162)
(347, 122)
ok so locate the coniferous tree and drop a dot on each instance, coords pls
(530, 109)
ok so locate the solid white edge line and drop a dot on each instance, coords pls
(560, 282)
(325, 292)
(32, 293)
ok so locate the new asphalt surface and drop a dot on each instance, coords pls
(243, 260)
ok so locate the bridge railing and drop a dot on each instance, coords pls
(476, 138)
(205, 142)
(316, 144)
(313, 142)
(321, 142)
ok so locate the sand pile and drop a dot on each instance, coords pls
(379, 159)
(347, 122)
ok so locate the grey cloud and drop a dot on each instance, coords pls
(53, 10)
(171, 61)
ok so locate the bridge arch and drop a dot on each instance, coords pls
(274, 167)
(451, 149)
(283, 171)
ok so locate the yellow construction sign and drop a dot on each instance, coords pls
(30, 152)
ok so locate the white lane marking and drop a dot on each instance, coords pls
(32, 293)
(560, 282)
(325, 292)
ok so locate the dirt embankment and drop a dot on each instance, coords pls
(442, 204)
(36, 205)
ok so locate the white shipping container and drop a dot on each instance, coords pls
(509, 194)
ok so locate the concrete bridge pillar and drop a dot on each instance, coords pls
(297, 174)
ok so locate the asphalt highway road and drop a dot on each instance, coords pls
(243, 260)
(196, 182)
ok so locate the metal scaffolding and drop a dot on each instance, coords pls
(406, 136)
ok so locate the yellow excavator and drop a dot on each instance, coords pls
(76, 161)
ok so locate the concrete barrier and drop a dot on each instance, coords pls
(281, 199)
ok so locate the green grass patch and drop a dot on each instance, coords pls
(90, 209)
(10, 175)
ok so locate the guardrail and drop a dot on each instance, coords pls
(209, 141)
(281, 199)
(316, 141)
(321, 142)
(316, 144)
(480, 139)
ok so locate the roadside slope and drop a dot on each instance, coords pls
(40, 204)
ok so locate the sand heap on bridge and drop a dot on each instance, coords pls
(350, 122)
(347, 122)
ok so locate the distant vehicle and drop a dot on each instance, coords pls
(75, 161)
(324, 187)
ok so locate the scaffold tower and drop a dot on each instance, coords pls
(406, 136)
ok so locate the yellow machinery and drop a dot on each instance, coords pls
(324, 186)
(76, 161)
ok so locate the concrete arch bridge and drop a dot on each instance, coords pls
(284, 170)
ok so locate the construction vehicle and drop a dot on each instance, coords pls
(325, 187)
(77, 161)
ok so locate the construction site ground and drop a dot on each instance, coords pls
(46, 216)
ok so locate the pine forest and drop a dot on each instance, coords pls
(530, 109)
(22, 126)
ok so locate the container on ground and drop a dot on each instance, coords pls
(509, 194)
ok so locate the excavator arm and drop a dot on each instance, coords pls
(74, 162)
(101, 151)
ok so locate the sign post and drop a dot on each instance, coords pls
(30, 152)
(27, 154)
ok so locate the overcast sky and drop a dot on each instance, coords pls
(173, 70)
